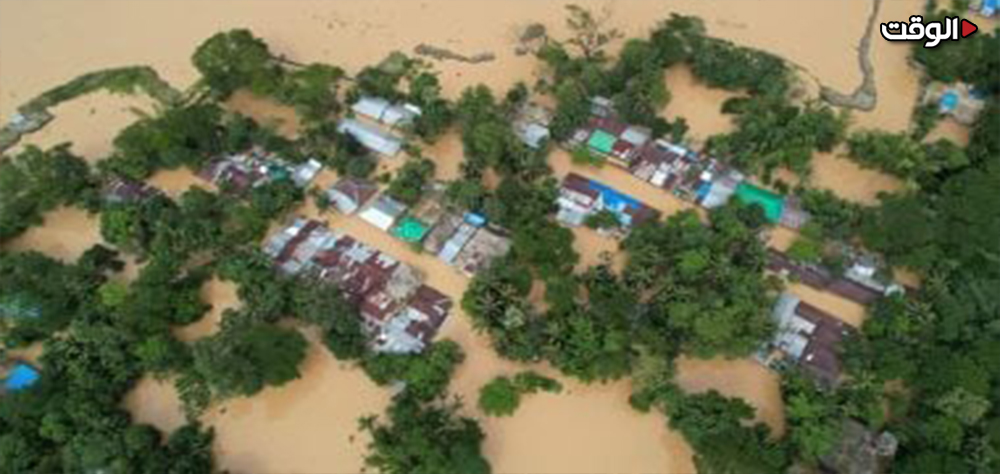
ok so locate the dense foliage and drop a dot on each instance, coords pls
(425, 438)
(236, 60)
(772, 132)
(179, 136)
(94, 350)
(502, 395)
(409, 183)
(424, 376)
(724, 440)
(243, 358)
(708, 294)
(901, 155)
(36, 181)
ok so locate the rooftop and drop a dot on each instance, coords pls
(810, 337)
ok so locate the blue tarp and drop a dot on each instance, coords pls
(21, 377)
(703, 190)
(949, 100)
(616, 202)
(475, 219)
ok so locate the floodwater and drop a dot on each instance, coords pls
(66, 234)
(307, 426)
(743, 378)
(265, 111)
(90, 123)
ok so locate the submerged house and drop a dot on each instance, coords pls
(484, 247)
(398, 310)
(415, 325)
(860, 450)
(531, 125)
(663, 164)
(244, 171)
(383, 212)
(15, 306)
(446, 227)
(857, 284)
(371, 137)
(382, 111)
(580, 197)
(122, 190)
(350, 194)
(959, 100)
(465, 242)
(808, 338)
(605, 135)
(716, 188)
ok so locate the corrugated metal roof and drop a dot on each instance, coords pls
(372, 107)
(371, 137)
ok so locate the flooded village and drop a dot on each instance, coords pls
(407, 266)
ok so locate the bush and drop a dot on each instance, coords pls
(501, 396)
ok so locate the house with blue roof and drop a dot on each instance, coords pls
(959, 100)
(580, 197)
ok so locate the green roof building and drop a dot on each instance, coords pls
(772, 203)
(602, 141)
(410, 229)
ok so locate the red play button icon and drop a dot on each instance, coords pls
(968, 28)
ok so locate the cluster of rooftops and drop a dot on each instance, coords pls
(397, 308)
(464, 240)
(807, 337)
(403, 314)
(377, 122)
(687, 174)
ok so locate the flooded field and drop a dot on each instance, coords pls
(849, 180)
(309, 425)
(744, 378)
(66, 234)
(90, 123)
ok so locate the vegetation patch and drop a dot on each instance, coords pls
(502, 395)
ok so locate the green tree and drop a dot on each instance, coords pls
(324, 306)
(409, 183)
(425, 375)
(496, 302)
(236, 59)
(242, 359)
(706, 283)
(772, 133)
(421, 438)
(499, 397)
(36, 181)
(502, 395)
(589, 32)
(715, 426)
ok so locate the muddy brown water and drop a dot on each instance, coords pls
(308, 425)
